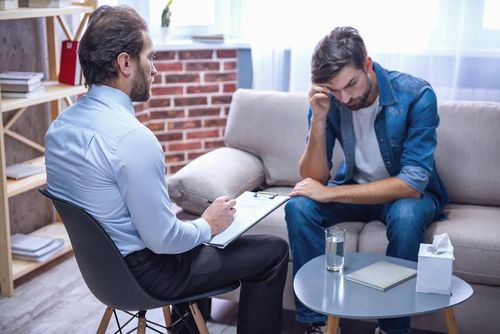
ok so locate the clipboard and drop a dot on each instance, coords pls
(251, 207)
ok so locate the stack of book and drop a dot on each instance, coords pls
(35, 247)
(8, 4)
(21, 84)
(45, 3)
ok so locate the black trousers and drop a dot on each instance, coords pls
(259, 262)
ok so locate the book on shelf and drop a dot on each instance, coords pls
(35, 247)
(23, 169)
(208, 38)
(36, 91)
(382, 275)
(20, 86)
(17, 77)
(45, 3)
(70, 71)
(8, 4)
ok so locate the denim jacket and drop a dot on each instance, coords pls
(405, 129)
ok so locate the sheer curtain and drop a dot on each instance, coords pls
(453, 44)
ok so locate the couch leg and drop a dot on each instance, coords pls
(105, 320)
(449, 316)
(198, 318)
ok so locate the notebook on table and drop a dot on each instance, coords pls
(382, 275)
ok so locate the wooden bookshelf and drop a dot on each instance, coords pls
(26, 13)
(53, 91)
(11, 268)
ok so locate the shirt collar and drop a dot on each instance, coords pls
(108, 93)
(385, 91)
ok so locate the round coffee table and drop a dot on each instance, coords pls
(330, 294)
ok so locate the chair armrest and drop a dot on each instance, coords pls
(224, 171)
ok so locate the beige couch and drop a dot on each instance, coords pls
(265, 138)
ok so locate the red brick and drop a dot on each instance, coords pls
(169, 136)
(173, 169)
(229, 65)
(159, 102)
(177, 78)
(157, 79)
(188, 124)
(221, 99)
(202, 134)
(170, 158)
(190, 101)
(167, 113)
(143, 117)
(203, 66)
(195, 54)
(214, 122)
(171, 90)
(203, 112)
(214, 144)
(226, 110)
(183, 146)
(218, 77)
(165, 55)
(159, 126)
(203, 89)
(226, 53)
(169, 67)
(194, 155)
(229, 88)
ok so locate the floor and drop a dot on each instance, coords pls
(56, 300)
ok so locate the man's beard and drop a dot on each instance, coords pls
(140, 88)
(362, 101)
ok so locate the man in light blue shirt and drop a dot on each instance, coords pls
(100, 157)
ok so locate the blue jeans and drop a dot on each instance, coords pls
(406, 221)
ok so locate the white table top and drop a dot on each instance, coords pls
(329, 293)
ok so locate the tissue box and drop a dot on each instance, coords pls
(434, 271)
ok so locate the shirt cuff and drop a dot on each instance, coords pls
(415, 177)
(205, 230)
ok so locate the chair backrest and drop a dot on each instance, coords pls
(101, 264)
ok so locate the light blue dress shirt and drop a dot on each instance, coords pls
(100, 157)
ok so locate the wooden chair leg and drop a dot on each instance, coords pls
(141, 325)
(198, 319)
(332, 324)
(105, 320)
(451, 325)
(167, 315)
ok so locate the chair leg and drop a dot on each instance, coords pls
(141, 326)
(198, 319)
(105, 320)
(167, 315)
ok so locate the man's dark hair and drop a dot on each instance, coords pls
(110, 31)
(341, 47)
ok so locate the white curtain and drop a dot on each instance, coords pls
(453, 44)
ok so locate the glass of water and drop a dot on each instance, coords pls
(334, 248)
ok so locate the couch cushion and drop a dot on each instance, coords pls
(474, 232)
(273, 126)
(467, 155)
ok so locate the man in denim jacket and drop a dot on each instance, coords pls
(386, 123)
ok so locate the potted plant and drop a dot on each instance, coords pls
(165, 19)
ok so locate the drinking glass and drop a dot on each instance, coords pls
(334, 248)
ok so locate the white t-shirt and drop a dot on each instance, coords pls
(368, 162)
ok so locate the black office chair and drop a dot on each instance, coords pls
(109, 279)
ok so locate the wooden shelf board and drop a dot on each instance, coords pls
(55, 230)
(25, 13)
(53, 91)
(16, 187)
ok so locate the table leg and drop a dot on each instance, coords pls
(332, 324)
(451, 325)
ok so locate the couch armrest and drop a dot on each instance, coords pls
(224, 171)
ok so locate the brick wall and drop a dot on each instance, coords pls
(191, 97)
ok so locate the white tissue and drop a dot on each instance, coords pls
(441, 245)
